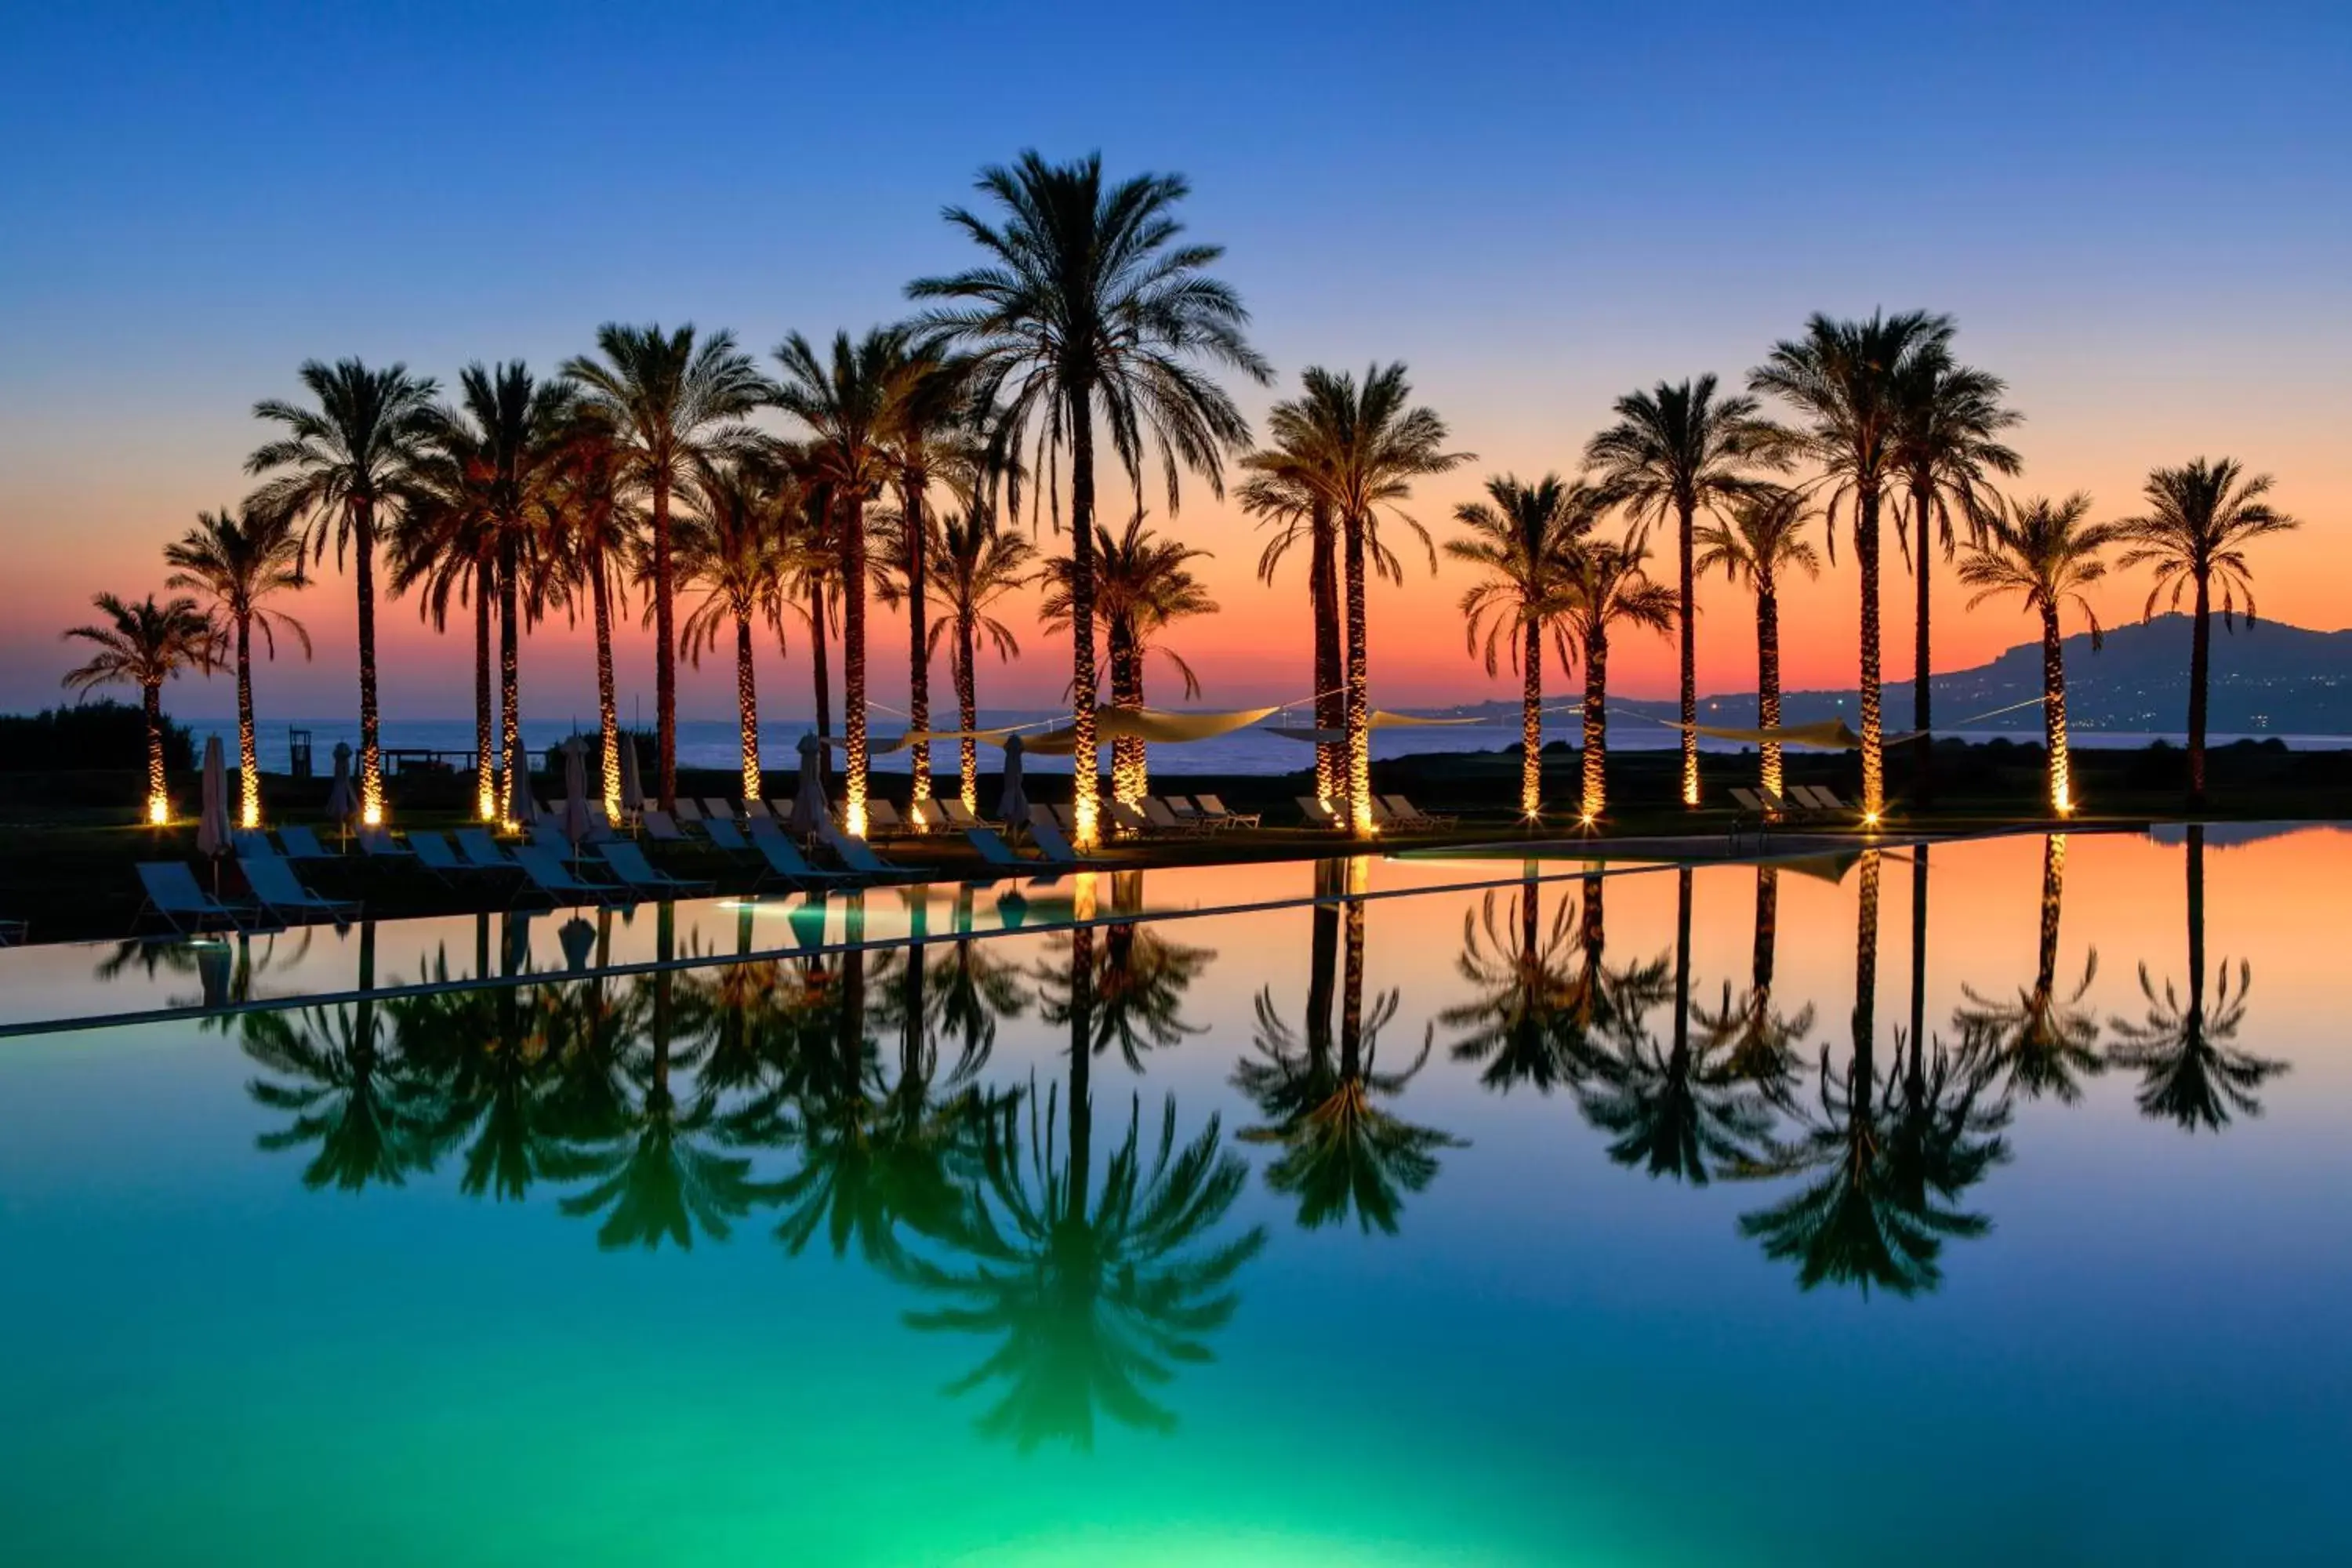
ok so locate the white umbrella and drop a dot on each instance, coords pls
(212, 823)
(575, 791)
(809, 812)
(1013, 805)
(633, 789)
(343, 801)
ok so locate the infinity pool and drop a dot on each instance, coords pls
(1985, 1203)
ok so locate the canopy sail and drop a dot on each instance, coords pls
(1049, 740)
(1380, 719)
(1828, 734)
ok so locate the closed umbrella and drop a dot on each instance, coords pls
(1013, 805)
(575, 791)
(577, 940)
(633, 789)
(809, 812)
(343, 801)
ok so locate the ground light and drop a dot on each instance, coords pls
(158, 810)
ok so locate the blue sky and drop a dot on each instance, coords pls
(2137, 211)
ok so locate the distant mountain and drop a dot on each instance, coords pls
(2267, 677)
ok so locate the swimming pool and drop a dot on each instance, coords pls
(1983, 1202)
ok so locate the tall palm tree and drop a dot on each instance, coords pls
(1088, 305)
(668, 401)
(1143, 583)
(1845, 381)
(2201, 518)
(814, 547)
(927, 428)
(239, 562)
(597, 530)
(730, 545)
(1945, 443)
(2193, 1072)
(144, 645)
(844, 396)
(1675, 451)
(445, 550)
(1524, 538)
(1362, 447)
(2044, 1041)
(1604, 588)
(494, 470)
(348, 467)
(2045, 552)
(974, 563)
(1289, 490)
(1763, 538)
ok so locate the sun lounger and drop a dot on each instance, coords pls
(881, 816)
(780, 808)
(629, 863)
(1126, 819)
(547, 873)
(728, 837)
(276, 889)
(600, 826)
(1156, 814)
(761, 828)
(1318, 814)
(785, 862)
(380, 845)
(251, 841)
(1214, 810)
(859, 856)
(687, 811)
(924, 813)
(1184, 810)
(1412, 816)
(1825, 799)
(752, 807)
(1056, 850)
(1750, 804)
(994, 852)
(712, 806)
(961, 814)
(433, 853)
(298, 843)
(173, 894)
(480, 849)
(661, 826)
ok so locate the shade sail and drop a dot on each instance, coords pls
(1828, 735)
(1380, 718)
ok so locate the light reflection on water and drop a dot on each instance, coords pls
(1565, 1220)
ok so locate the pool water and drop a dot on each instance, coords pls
(1980, 1204)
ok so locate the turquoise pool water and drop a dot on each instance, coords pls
(1719, 1217)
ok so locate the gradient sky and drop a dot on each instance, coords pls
(2137, 211)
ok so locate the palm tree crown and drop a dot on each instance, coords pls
(974, 563)
(1762, 538)
(1608, 587)
(144, 645)
(239, 560)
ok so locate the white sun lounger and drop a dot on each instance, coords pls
(276, 889)
(173, 895)
(629, 863)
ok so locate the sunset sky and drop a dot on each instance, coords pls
(2138, 213)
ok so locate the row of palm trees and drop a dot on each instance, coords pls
(1092, 328)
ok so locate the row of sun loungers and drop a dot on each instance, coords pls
(1802, 803)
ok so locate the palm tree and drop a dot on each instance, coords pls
(1945, 445)
(1289, 489)
(1763, 538)
(2044, 551)
(1606, 587)
(813, 545)
(730, 545)
(2042, 1042)
(668, 401)
(494, 473)
(1142, 584)
(2201, 518)
(1844, 380)
(2192, 1071)
(1089, 304)
(238, 562)
(845, 399)
(1674, 451)
(144, 645)
(1524, 538)
(445, 548)
(348, 466)
(597, 530)
(1361, 447)
(926, 429)
(973, 564)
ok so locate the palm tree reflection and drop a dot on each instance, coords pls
(1529, 996)
(2192, 1072)
(2045, 1041)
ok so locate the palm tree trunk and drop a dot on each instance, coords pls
(486, 783)
(665, 646)
(1531, 724)
(1768, 680)
(2053, 890)
(159, 799)
(1865, 980)
(1591, 939)
(967, 707)
(747, 704)
(608, 702)
(821, 663)
(1874, 757)
(1351, 993)
(248, 764)
(2196, 858)
(1767, 931)
(1682, 964)
(1085, 783)
(918, 644)
(1130, 774)
(1686, 543)
(1595, 743)
(1923, 748)
(2053, 713)
(1322, 965)
(1359, 712)
(1081, 1108)
(853, 666)
(511, 668)
(1918, 949)
(371, 751)
(2201, 654)
(1331, 702)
